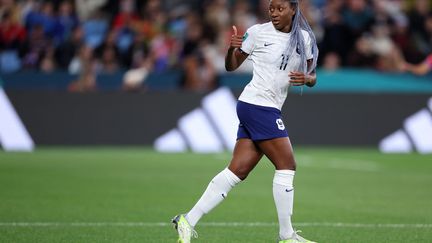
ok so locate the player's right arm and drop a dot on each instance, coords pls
(235, 56)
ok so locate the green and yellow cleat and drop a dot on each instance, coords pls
(184, 229)
(295, 238)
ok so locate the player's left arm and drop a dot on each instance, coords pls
(310, 79)
(300, 79)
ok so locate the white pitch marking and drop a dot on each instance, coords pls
(208, 224)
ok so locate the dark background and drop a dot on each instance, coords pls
(116, 118)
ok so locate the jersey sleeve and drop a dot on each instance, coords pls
(248, 44)
(308, 45)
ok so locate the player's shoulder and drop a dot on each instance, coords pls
(306, 35)
(258, 28)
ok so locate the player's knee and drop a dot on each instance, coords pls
(289, 164)
(294, 166)
(241, 173)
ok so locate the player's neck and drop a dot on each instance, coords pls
(286, 29)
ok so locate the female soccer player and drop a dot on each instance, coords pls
(283, 53)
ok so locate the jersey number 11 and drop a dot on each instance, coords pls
(284, 62)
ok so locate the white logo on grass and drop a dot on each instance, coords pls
(280, 124)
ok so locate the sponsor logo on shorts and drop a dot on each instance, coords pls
(280, 124)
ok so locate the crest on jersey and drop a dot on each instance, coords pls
(245, 36)
(280, 124)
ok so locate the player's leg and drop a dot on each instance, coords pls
(280, 153)
(245, 157)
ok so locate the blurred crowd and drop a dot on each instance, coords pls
(87, 37)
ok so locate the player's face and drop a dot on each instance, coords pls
(281, 14)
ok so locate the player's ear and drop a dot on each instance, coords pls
(293, 5)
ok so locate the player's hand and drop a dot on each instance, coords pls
(297, 78)
(236, 40)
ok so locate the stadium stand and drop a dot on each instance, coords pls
(187, 39)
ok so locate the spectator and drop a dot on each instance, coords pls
(199, 74)
(242, 16)
(134, 78)
(331, 62)
(95, 29)
(162, 51)
(108, 53)
(126, 16)
(417, 16)
(382, 45)
(123, 23)
(66, 51)
(421, 68)
(357, 16)
(34, 47)
(43, 17)
(12, 34)
(192, 35)
(10, 8)
(217, 15)
(109, 61)
(47, 63)
(417, 19)
(335, 30)
(362, 54)
(424, 42)
(66, 20)
(26, 7)
(85, 67)
(86, 8)
(314, 16)
(401, 38)
(137, 51)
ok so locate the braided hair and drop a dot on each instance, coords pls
(297, 42)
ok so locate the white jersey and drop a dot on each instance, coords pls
(270, 82)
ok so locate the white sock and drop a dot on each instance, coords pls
(216, 191)
(283, 194)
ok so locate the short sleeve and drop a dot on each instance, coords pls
(249, 42)
(308, 45)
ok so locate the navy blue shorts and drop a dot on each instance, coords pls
(259, 122)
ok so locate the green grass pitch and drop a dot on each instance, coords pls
(123, 194)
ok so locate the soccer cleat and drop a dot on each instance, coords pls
(184, 229)
(295, 238)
